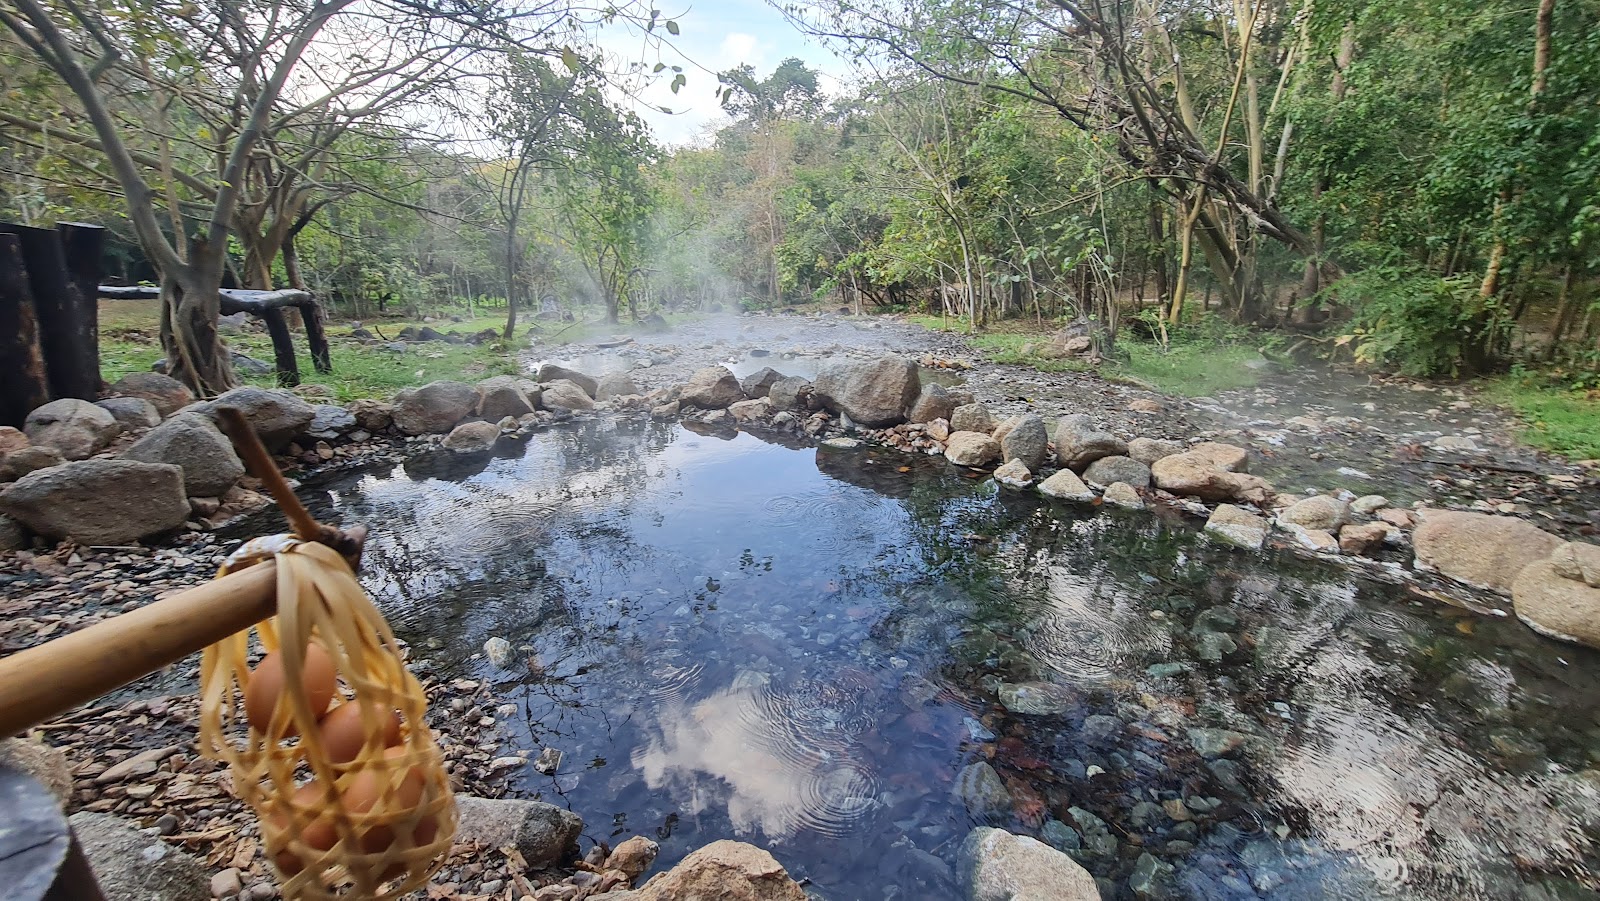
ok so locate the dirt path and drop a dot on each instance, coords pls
(1314, 428)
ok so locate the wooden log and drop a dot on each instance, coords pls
(43, 682)
(71, 365)
(24, 381)
(316, 336)
(282, 346)
(82, 245)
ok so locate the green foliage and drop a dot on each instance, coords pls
(1555, 418)
(1416, 322)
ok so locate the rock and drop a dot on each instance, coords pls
(723, 871)
(498, 650)
(1454, 443)
(435, 408)
(277, 416)
(564, 394)
(1121, 494)
(503, 396)
(1321, 512)
(13, 537)
(1144, 405)
(1394, 516)
(1578, 560)
(74, 428)
(841, 443)
(131, 412)
(192, 442)
(131, 864)
(1107, 470)
(166, 393)
(1024, 437)
(550, 372)
(99, 502)
(543, 833)
(712, 388)
(665, 411)
(19, 463)
(1480, 550)
(1319, 540)
(46, 764)
(750, 410)
(1015, 474)
(1214, 743)
(633, 857)
(1238, 526)
(1149, 450)
(938, 430)
(980, 788)
(329, 422)
(998, 866)
(1369, 504)
(247, 364)
(789, 393)
(1362, 538)
(472, 437)
(615, 384)
(1225, 457)
(1193, 475)
(1036, 698)
(226, 883)
(1556, 606)
(971, 449)
(548, 762)
(934, 402)
(1066, 485)
(974, 417)
(760, 382)
(372, 415)
(1078, 443)
(874, 394)
(1151, 878)
(12, 439)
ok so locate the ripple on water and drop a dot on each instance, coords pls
(1089, 633)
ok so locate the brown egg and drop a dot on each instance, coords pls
(369, 786)
(264, 689)
(344, 734)
(319, 835)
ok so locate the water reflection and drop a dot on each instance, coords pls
(812, 649)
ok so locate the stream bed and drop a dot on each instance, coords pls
(853, 657)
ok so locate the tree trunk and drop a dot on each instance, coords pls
(68, 334)
(190, 306)
(24, 383)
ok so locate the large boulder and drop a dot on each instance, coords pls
(1149, 450)
(277, 416)
(1552, 602)
(167, 393)
(193, 443)
(712, 388)
(972, 417)
(1320, 512)
(972, 449)
(132, 412)
(1193, 475)
(936, 402)
(1107, 471)
(472, 437)
(550, 372)
(435, 408)
(1024, 437)
(564, 394)
(503, 396)
(1065, 485)
(74, 428)
(1481, 550)
(12, 439)
(722, 871)
(543, 833)
(1238, 526)
(1225, 457)
(135, 865)
(615, 384)
(998, 866)
(791, 393)
(759, 383)
(107, 502)
(372, 415)
(874, 394)
(19, 463)
(1079, 443)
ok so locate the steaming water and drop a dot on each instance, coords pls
(807, 649)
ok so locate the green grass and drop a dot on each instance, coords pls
(129, 342)
(1553, 418)
(1193, 365)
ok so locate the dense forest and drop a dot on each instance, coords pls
(1413, 184)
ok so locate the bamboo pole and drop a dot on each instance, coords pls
(45, 681)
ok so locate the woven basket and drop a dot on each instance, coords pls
(376, 826)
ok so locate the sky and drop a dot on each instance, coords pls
(714, 36)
